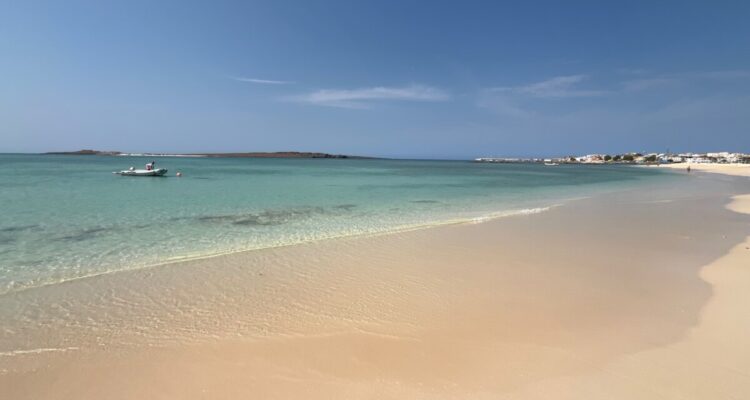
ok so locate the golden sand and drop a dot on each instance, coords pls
(711, 362)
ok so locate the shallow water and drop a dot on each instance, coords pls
(66, 217)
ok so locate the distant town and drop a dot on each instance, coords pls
(723, 157)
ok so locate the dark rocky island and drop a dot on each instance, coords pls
(85, 152)
(278, 154)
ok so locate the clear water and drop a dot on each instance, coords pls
(65, 217)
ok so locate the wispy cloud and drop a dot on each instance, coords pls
(631, 71)
(662, 105)
(724, 74)
(715, 74)
(557, 87)
(362, 97)
(521, 101)
(682, 79)
(639, 85)
(503, 105)
(261, 81)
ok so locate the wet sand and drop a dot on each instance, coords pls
(631, 295)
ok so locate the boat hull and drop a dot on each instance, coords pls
(142, 172)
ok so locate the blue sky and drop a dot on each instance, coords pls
(389, 78)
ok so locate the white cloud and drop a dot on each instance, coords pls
(360, 98)
(557, 87)
(262, 81)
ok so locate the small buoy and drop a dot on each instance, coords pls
(179, 174)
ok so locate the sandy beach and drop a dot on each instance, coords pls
(727, 169)
(374, 200)
(641, 294)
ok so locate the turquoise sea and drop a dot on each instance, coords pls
(66, 217)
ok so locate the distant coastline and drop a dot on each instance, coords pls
(723, 157)
(278, 154)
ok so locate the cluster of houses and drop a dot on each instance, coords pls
(723, 157)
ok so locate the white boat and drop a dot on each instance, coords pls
(142, 172)
(549, 164)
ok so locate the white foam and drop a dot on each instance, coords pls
(212, 254)
(37, 351)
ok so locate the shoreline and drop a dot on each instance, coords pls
(428, 313)
(724, 169)
(396, 230)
